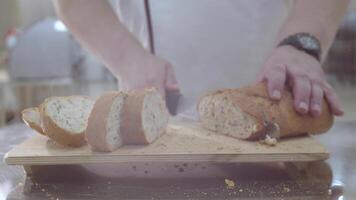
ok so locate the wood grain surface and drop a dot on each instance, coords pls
(184, 141)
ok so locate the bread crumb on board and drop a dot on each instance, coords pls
(269, 141)
(286, 189)
(229, 183)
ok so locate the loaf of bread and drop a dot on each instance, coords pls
(64, 119)
(241, 113)
(103, 131)
(145, 117)
(31, 117)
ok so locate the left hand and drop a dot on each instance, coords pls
(287, 65)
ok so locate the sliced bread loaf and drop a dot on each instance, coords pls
(103, 131)
(145, 117)
(64, 119)
(31, 117)
(241, 113)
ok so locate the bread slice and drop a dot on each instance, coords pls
(31, 117)
(145, 117)
(240, 113)
(64, 119)
(103, 131)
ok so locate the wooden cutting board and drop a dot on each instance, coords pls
(184, 141)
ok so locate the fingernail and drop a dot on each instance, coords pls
(276, 94)
(317, 108)
(303, 106)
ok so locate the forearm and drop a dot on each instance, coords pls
(318, 17)
(98, 29)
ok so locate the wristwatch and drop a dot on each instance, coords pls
(305, 42)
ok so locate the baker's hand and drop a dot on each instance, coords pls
(147, 70)
(287, 65)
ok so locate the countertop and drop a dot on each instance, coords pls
(321, 180)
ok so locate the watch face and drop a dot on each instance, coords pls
(308, 42)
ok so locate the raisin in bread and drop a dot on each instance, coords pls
(240, 113)
(31, 117)
(103, 131)
(64, 119)
(145, 117)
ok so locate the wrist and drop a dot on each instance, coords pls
(288, 51)
(127, 57)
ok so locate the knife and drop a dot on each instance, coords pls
(181, 105)
(172, 98)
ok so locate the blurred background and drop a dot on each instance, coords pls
(39, 58)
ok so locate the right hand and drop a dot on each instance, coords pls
(287, 65)
(147, 70)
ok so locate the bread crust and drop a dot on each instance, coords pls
(57, 133)
(254, 101)
(132, 126)
(96, 130)
(33, 125)
(282, 112)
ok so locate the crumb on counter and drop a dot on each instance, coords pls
(229, 183)
(286, 189)
(269, 141)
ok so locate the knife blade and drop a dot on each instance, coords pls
(271, 128)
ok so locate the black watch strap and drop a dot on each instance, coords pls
(305, 42)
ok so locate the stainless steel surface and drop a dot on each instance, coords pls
(9, 176)
(335, 177)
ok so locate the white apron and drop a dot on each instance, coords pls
(211, 44)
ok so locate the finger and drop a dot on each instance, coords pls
(333, 101)
(171, 83)
(317, 95)
(276, 79)
(301, 92)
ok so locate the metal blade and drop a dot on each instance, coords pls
(272, 129)
(186, 108)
